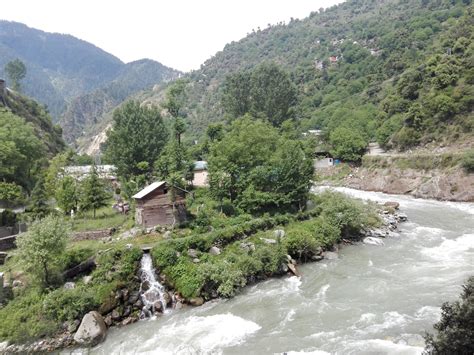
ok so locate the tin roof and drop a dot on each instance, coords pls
(200, 165)
(150, 188)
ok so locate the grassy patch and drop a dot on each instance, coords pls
(106, 217)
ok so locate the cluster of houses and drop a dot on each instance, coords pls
(155, 204)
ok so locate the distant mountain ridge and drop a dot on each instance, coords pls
(64, 72)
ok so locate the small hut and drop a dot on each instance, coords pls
(157, 205)
(200, 173)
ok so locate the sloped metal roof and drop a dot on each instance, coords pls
(150, 188)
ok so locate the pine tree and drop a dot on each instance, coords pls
(39, 206)
(94, 193)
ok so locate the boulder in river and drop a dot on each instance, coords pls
(373, 241)
(196, 301)
(392, 204)
(92, 329)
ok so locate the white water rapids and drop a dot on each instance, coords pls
(155, 292)
(373, 299)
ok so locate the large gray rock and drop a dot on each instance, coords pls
(268, 241)
(196, 301)
(192, 253)
(92, 329)
(279, 233)
(214, 251)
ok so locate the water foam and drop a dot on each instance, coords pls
(380, 346)
(452, 249)
(205, 334)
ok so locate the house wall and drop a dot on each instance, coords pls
(157, 209)
(323, 163)
(200, 178)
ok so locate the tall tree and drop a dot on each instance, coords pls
(39, 206)
(94, 193)
(175, 98)
(138, 135)
(16, 71)
(41, 247)
(67, 194)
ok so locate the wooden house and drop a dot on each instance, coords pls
(154, 205)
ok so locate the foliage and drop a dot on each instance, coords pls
(11, 193)
(138, 135)
(67, 194)
(41, 246)
(93, 192)
(16, 71)
(347, 144)
(20, 150)
(455, 330)
(265, 92)
(467, 161)
(258, 170)
(39, 206)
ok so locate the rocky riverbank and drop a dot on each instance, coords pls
(125, 305)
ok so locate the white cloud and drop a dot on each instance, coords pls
(179, 33)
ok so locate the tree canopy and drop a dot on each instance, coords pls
(138, 135)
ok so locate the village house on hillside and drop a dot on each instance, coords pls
(80, 172)
(156, 207)
(200, 174)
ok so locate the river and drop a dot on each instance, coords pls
(373, 299)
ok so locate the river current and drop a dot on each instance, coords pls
(372, 300)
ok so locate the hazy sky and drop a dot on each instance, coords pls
(179, 33)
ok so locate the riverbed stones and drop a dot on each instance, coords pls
(293, 269)
(373, 241)
(214, 251)
(330, 255)
(196, 301)
(392, 204)
(92, 330)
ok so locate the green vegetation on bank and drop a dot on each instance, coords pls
(251, 251)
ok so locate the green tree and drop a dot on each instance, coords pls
(39, 206)
(455, 330)
(266, 92)
(94, 193)
(138, 135)
(11, 193)
(20, 150)
(41, 247)
(175, 98)
(347, 144)
(16, 71)
(67, 194)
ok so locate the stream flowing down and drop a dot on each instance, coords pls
(371, 300)
(152, 292)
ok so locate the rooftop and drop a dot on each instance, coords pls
(150, 188)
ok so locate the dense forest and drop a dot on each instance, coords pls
(398, 72)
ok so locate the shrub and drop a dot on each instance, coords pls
(225, 275)
(326, 233)
(301, 244)
(186, 277)
(467, 161)
(164, 255)
(69, 304)
(455, 330)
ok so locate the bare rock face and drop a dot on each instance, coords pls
(92, 329)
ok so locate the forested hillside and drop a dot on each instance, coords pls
(89, 109)
(28, 139)
(61, 69)
(400, 72)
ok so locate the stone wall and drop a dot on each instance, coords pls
(7, 243)
(93, 235)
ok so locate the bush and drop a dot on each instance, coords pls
(69, 304)
(186, 277)
(467, 161)
(301, 244)
(455, 330)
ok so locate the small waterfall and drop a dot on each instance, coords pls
(154, 296)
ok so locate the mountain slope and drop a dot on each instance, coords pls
(63, 72)
(351, 64)
(85, 111)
